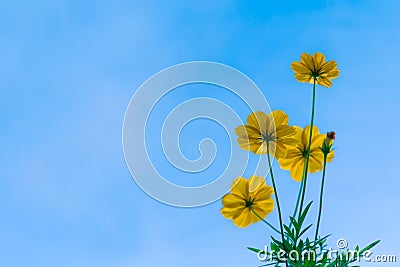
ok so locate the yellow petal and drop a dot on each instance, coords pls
(329, 66)
(307, 60)
(326, 82)
(319, 60)
(292, 156)
(244, 143)
(259, 148)
(315, 163)
(306, 134)
(300, 68)
(229, 213)
(258, 120)
(296, 171)
(285, 131)
(255, 145)
(305, 78)
(255, 182)
(280, 151)
(330, 156)
(264, 192)
(233, 201)
(280, 117)
(239, 187)
(246, 131)
(289, 141)
(263, 208)
(317, 141)
(333, 74)
(242, 219)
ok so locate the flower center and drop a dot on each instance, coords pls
(249, 203)
(304, 152)
(315, 74)
(267, 138)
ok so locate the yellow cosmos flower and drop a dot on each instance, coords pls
(266, 129)
(314, 67)
(245, 196)
(296, 156)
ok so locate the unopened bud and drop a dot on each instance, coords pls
(327, 143)
(331, 135)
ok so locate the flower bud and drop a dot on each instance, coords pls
(331, 135)
(328, 142)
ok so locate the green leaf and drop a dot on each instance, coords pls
(256, 250)
(304, 214)
(373, 244)
(278, 243)
(304, 230)
(295, 224)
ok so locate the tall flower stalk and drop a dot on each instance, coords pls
(314, 70)
(320, 199)
(326, 149)
(304, 181)
(298, 197)
(277, 200)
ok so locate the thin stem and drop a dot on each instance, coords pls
(298, 197)
(277, 199)
(321, 196)
(267, 223)
(308, 149)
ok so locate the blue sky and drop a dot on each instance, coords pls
(69, 68)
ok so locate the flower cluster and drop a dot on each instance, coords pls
(298, 150)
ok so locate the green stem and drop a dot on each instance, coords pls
(277, 199)
(298, 197)
(321, 196)
(308, 149)
(267, 223)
